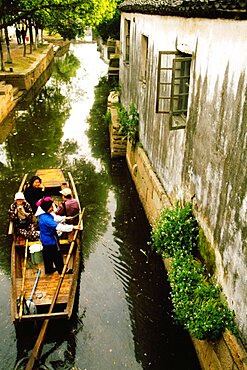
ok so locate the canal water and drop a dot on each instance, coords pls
(123, 317)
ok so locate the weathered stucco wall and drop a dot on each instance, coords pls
(207, 159)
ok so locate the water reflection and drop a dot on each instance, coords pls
(7, 126)
(122, 318)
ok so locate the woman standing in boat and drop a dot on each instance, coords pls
(49, 237)
(34, 192)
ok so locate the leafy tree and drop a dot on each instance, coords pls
(76, 14)
(66, 17)
(110, 27)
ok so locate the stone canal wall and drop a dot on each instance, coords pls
(25, 80)
(7, 101)
(117, 141)
(12, 85)
(227, 353)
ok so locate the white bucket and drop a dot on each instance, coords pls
(36, 253)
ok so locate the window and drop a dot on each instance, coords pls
(173, 87)
(127, 40)
(144, 58)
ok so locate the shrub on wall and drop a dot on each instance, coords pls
(176, 230)
(197, 301)
(129, 123)
(198, 305)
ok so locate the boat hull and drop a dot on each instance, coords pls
(54, 181)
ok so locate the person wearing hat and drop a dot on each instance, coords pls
(21, 214)
(49, 229)
(69, 207)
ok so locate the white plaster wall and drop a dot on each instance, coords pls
(208, 158)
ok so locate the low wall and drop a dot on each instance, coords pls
(117, 141)
(6, 99)
(29, 95)
(25, 80)
(228, 352)
(61, 48)
(13, 85)
(225, 354)
(151, 192)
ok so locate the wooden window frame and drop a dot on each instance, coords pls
(176, 87)
(144, 59)
(127, 41)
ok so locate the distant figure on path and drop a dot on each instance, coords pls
(18, 34)
(23, 34)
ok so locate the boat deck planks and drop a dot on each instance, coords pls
(46, 288)
(46, 284)
(53, 177)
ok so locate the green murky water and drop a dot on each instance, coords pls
(123, 315)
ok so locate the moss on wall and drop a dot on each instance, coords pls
(207, 252)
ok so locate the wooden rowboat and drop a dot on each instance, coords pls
(53, 180)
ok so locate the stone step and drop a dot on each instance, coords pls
(15, 90)
(17, 93)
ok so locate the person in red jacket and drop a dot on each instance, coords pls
(69, 206)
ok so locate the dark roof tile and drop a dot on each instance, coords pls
(236, 9)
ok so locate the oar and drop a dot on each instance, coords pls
(23, 281)
(30, 304)
(36, 352)
(75, 215)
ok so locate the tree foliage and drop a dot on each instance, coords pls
(67, 17)
(110, 27)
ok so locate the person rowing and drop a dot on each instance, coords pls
(69, 207)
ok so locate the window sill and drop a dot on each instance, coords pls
(177, 122)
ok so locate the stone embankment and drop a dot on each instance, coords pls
(228, 352)
(14, 85)
(117, 140)
(9, 97)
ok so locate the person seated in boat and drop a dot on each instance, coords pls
(34, 192)
(21, 214)
(49, 229)
(69, 207)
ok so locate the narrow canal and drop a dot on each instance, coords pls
(123, 316)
